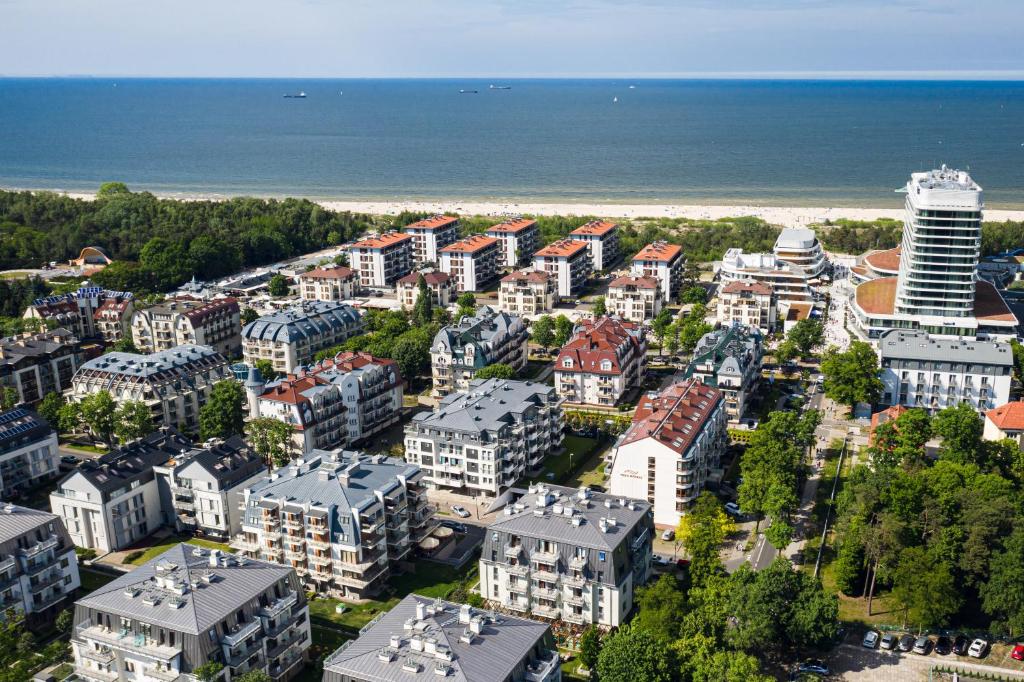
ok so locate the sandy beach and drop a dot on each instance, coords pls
(790, 216)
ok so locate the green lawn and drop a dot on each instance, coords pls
(578, 449)
(63, 670)
(167, 543)
(93, 580)
(591, 473)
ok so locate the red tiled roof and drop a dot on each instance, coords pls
(528, 275)
(639, 282)
(675, 416)
(111, 307)
(878, 296)
(740, 286)
(595, 227)
(471, 244)
(659, 251)
(595, 341)
(211, 308)
(347, 360)
(290, 390)
(336, 272)
(887, 415)
(798, 311)
(512, 226)
(383, 241)
(563, 248)
(433, 278)
(884, 261)
(434, 222)
(1008, 417)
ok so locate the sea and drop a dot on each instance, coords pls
(799, 143)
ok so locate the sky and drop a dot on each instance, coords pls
(524, 38)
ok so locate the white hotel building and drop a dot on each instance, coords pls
(569, 263)
(602, 238)
(519, 238)
(664, 262)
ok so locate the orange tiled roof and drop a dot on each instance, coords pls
(290, 390)
(877, 296)
(528, 275)
(434, 222)
(675, 416)
(1008, 417)
(798, 311)
(884, 261)
(383, 241)
(512, 226)
(989, 305)
(470, 244)
(639, 282)
(659, 251)
(336, 272)
(563, 248)
(595, 227)
(595, 341)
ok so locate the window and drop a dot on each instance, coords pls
(601, 556)
(567, 362)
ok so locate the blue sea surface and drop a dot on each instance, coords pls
(811, 143)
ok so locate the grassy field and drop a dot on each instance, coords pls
(93, 580)
(578, 449)
(591, 473)
(167, 543)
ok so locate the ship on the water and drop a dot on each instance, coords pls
(300, 95)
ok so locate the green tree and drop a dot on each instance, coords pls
(132, 420)
(49, 409)
(661, 607)
(806, 334)
(466, 303)
(728, 666)
(168, 262)
(851, 377)
(423, 309)
(660, 325)
(64, 620)
(98, 415)
(901, 441)
(278, 286)
(266, 369)
(496, 371)
(543, 331)
(1002, 595)
(924, 587)
(122, 345)
(960, 428)
(253, 676)
(785, 352)
(670, 342)
(109, 189)
(223, 415)
(341, 259)
(590, 647)
(563, 330)
(632, 654)
(412, 353)
(8, 398)
(702, 530)
(694, 294)
(249, 315)
(209, 671)
(270, 439)
(599, 307)
(69, 418)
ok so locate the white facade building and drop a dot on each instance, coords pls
(789, 282)
(800, 247)
(602, 238)
(676, 438)
(28, 451)
(636, 299)
(569, 263)
(519, 238)
(748, 303)
(664, 262)
(439, 284)
(293, 336)
(460, 350)
(430, 235)
(472, 262)
(181, 321)
(334, 283)
(604, 359)
(526, 293)
(381, 261)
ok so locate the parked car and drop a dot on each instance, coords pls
(1018, 652)
(455, 526)
(682, 563)
(923, 646)
(733, 508)
(961, 644)
(979, 648)
(943, 645)
(69, 459)
(660, 560)
(816, 666)
(668, 534)
(870, 640)
(460, 511)
(889, 641)
(906, 643)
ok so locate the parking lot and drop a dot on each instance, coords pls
(854, 662)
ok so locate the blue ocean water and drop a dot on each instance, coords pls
(771, 142)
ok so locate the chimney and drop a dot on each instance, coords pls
(476, 624)
(214, 558)
(421, 610)
(465, 614)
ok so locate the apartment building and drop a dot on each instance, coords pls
(38, 565)
(483, 440)
(440, 285)
(339, 519)
(569, 263)
(472, 262)
(174, 384)
(574, 555)
(635, 299)
(37, 364)
(676, 439)
(430, 235)
(748, 303)
(1005, 421)
(331, 283)
(89, 313)
(526, 293)
(381, 261)
(454, 640)
(201, 488)
(920, 370)
(519, 238)
(189, 606)
(664, 262)
(339, 401)
(729, 359)
(800, 246)
(604, 359)
(460, 350)
(602, 239)
(28, 452)
(789, 282)
(182, 321)
(291, 337)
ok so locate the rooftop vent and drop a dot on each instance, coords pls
(396, 641)
(467, 636)
(386, 654)
(151, 600)
(476, 624)
(608, 502)
(577, 521)
(416, 643)
(132, 592)
(410, 623)
(465, 614)
(410, 666)
(175, 602)
(421, 610)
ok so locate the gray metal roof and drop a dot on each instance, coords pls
(795, 238)
(502, 645)
(918, 345)
(135, 461)
(486, 406)
(309, 319)
(479, 330)
(15, 521)
(178, 360)
(728, 351)
(181, 573)
(229, 462)
(547, 512)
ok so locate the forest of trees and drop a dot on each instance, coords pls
(858, 236)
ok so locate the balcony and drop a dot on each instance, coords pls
(166, 674)
(545, 610)
(39, 547)
(283, 643)
(545, 575)
(240, 632)
(516, 605)
(102, 655)
(123, 639)
(518, 569)
(243, 545)
(46, 579)
(543, 668)
(278, 606)
(577, 599)
(244, 653)
(545, 592)
(95, 675)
